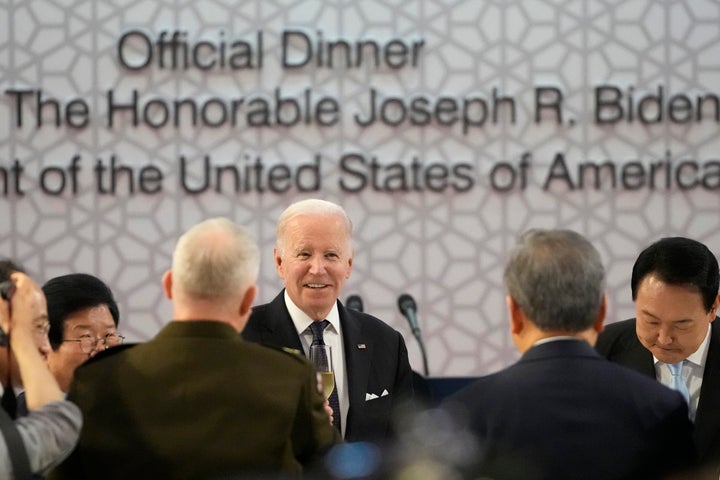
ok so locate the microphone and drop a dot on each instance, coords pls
(408, 308)
(354, 302)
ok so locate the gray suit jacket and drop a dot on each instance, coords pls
(49, 434)
(375, 356)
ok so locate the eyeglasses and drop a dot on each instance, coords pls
(41, 328)
(88, 343)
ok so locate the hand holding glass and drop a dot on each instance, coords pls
(321, 356)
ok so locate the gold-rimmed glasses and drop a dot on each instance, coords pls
(88, 343)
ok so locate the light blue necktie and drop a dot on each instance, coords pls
(677, 382)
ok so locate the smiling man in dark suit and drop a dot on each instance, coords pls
(314, 257)
(674, 285)
(562, 411)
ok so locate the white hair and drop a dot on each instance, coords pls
(215, 258)
(310, 206)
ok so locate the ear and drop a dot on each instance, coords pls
(714, 309)
(599, 324)
(247, 301)
(278, 261)
(167, 284)
(516, 315)
(350, 264)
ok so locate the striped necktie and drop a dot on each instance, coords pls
(317, 331)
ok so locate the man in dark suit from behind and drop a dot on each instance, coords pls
(562, 411)
(674, 285)
(314, 256)
(197, 401)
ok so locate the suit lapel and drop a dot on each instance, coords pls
(634, 355)
(358, 355)
(642, 358)
(707, 419)
(278, 327)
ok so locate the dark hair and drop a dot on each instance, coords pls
(679, 261)
(67, 294)
(7, 268)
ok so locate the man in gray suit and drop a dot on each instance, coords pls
(51, 428)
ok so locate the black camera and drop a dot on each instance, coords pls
(7, 288)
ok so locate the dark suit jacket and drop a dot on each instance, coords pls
(376, 359)
(619, 343)
(196, 402)
(563, 412)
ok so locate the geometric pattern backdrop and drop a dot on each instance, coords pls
(443, 235)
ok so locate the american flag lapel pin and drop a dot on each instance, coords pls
(361, 346)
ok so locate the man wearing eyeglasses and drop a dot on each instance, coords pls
(50, 430)
(14, 399)
(83, 319)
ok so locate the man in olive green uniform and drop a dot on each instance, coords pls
(197, 401)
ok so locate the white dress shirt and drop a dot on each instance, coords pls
(692, 373)
(332, 336)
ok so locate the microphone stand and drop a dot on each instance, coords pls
(408, 308)
(416, 334)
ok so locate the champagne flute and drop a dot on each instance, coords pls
(321, 356)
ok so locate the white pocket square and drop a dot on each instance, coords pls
(372, 396)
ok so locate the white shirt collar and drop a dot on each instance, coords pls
(555, 339)
(699, 356)
(302, 321)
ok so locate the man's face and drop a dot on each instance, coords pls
(671, 319)
(93, 323)
(315, 262)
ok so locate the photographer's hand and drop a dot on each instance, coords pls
(4, 315)
(29, 306)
